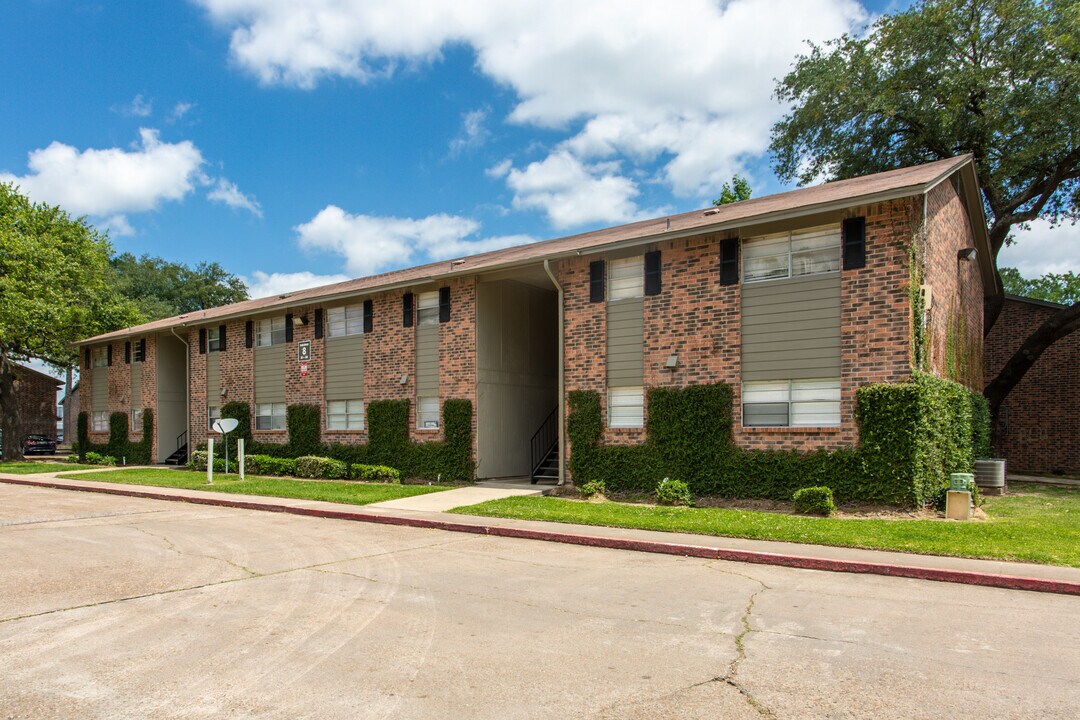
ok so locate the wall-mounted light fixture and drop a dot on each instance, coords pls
(299, 320)
(404, 379)
(672, 362)
(966, 254)
(224, 392)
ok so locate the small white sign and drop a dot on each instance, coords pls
(225, 425)
(303, 350)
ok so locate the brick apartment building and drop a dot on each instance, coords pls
(794, 299)
(36, 395)
(1039, 422)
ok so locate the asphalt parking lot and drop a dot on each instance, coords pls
(115, 607)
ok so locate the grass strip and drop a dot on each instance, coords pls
(29, 467)
(1038, 524)
(350, 493)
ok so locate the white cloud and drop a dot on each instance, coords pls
(111, 181)
(1043, 249)
(689, 84)
(371, 243)
(473, 133)
(180, 110)
(117, 225)
(262, 284)
(227, 192)
(138, 107)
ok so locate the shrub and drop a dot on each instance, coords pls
(673, 492)
(594, 488)
(96, 458)
(374, 473)
(817, 500)
(313, 466)
(118, 434)
(980, 426)
(241, 412)
(82, 434)
(73, 459)
(268, 465)
(303, 424)
(197, 461)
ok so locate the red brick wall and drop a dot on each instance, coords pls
(956, 313)
(1039, 423)
(36, 396)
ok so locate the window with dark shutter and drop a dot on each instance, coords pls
(369, 316)
(407, 310)
(853, 233)
(140, 350)
(87, 357)
(127, 352)
(596, 281)
(729, 262)
(249, 334)
(288, 327)
(221, 338)
(318, 324)
(652, 273)
(444, 304)
(202, 341)
(108, 355)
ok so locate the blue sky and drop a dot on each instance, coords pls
(302, 143)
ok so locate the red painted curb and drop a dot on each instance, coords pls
(964, 577)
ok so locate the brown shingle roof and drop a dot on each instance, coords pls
(880, 186)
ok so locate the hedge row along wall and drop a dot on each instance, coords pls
(912, 436)
(388, 439)
(119, 445)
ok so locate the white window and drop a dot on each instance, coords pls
(213, 340)
(626, 407)
(99, 421)
(347, 320)
(137, 351)
(793, 403)
(427, 309)
(626, 278)
(213, 412)
(270, 331)
(427, 412)
(270, 416)
(99, 357)
(792, 254)
(345, 415)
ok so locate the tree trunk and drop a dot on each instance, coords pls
(1057, 326)
(10, 422)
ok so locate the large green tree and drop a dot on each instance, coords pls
(161, 289)
(1061, 288)
(999, 79)
(54, 290)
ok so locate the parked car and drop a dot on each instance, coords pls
(40, 444)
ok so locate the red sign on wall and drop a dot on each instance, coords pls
(303, 369)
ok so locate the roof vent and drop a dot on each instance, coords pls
(285, 296)
(711, 211)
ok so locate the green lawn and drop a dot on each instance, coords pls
(352, 493)
(1039, 523)
(28, 467)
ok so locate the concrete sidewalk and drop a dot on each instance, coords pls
(1024, 576)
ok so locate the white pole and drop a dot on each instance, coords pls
(210, 461)
(240, 450)
(225, 439)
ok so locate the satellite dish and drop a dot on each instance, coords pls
(225, 425)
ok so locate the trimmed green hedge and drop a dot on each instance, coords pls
(119, 444)
(82, 435)
(303, 424)
(912, 436)
(321, 468)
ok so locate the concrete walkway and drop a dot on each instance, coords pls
(450, 499)
(1015, 575)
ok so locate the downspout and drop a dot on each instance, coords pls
(562, 375)
(187, 389)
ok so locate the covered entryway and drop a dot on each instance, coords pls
(517, 371)
(172, 385)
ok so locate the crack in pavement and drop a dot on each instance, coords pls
(172, 548)
(92, 516)
(729, 678)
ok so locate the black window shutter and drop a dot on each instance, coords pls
(249, 334)
(854, 239)
(108, 355)
(318, 324)
(596, 281)
(652, 273)
(142, 350)
(444, 304)
(288, 327)
(729, 262)
(87, 357)
(369, 312)
(202, 341)
(127, 352)
(221, 338)
(407, 310)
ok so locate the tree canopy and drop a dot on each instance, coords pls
(1061, 288)
(735, 191)
(54, 290)
(161, 289)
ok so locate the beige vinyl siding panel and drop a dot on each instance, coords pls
(136, 387)
(791, 328)
(99, 397)
(213, 379)
(625, 337)
(270, 374)
(345, 368)
(427, 361)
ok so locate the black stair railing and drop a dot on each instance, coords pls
(544, 439)
(181, 440)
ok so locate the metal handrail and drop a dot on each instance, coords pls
(181, 440)
(545, 438)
